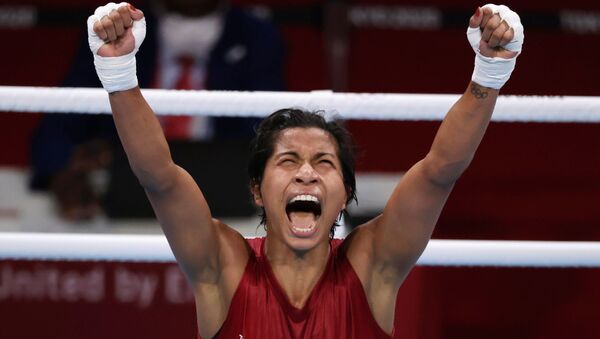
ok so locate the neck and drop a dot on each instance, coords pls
(297, 271)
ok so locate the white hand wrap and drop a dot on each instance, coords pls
(495, 72)
(115, 73)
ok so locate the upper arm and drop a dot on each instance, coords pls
(200, 243)
(408, 219)
(212, 255)
(395, 239)
(405, 227)
(383, 250)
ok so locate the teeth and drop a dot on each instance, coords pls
(305, 197)
(303, 230)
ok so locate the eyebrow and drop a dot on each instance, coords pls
(296, 155)
(322, 154)
(290, 153)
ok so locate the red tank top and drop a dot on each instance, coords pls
(336, 308)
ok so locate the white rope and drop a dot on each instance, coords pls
(259, 104)
(154, 248)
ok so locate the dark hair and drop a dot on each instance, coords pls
(262, 146)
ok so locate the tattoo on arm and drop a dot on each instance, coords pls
(478, 91)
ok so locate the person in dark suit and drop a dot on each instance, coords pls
(190, 44)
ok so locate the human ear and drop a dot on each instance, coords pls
(255, 189)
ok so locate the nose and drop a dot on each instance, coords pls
(306, 174)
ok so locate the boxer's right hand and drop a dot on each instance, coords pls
(114, 29)
(115, 33)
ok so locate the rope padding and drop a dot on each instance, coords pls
(154, 248)
(259, 104)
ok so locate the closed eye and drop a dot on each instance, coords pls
(286, 161)
(326, 159)
(327, 162)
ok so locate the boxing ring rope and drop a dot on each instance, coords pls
(154, 248)
(94, 247)
(259, 104)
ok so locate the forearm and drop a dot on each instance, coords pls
(142, 139)
(496, 36)
(460, 134)
(403, 230)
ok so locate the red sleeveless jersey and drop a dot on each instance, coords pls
(336, 308)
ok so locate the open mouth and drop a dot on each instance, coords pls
(303, 212)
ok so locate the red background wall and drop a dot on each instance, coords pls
(528, 181)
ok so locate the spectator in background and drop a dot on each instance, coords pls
(190, 44)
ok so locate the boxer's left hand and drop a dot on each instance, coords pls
(496, 35)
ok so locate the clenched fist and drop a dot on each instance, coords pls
(115, 33)
(496, 35)
(115, 30)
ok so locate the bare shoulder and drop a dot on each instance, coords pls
(359, 248)
(362, 249)
(380, 281)
(213, 299)
(232, 252)
(234, 249)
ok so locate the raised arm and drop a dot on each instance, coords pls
(384, 250)
(212, 255)
(179, 205)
